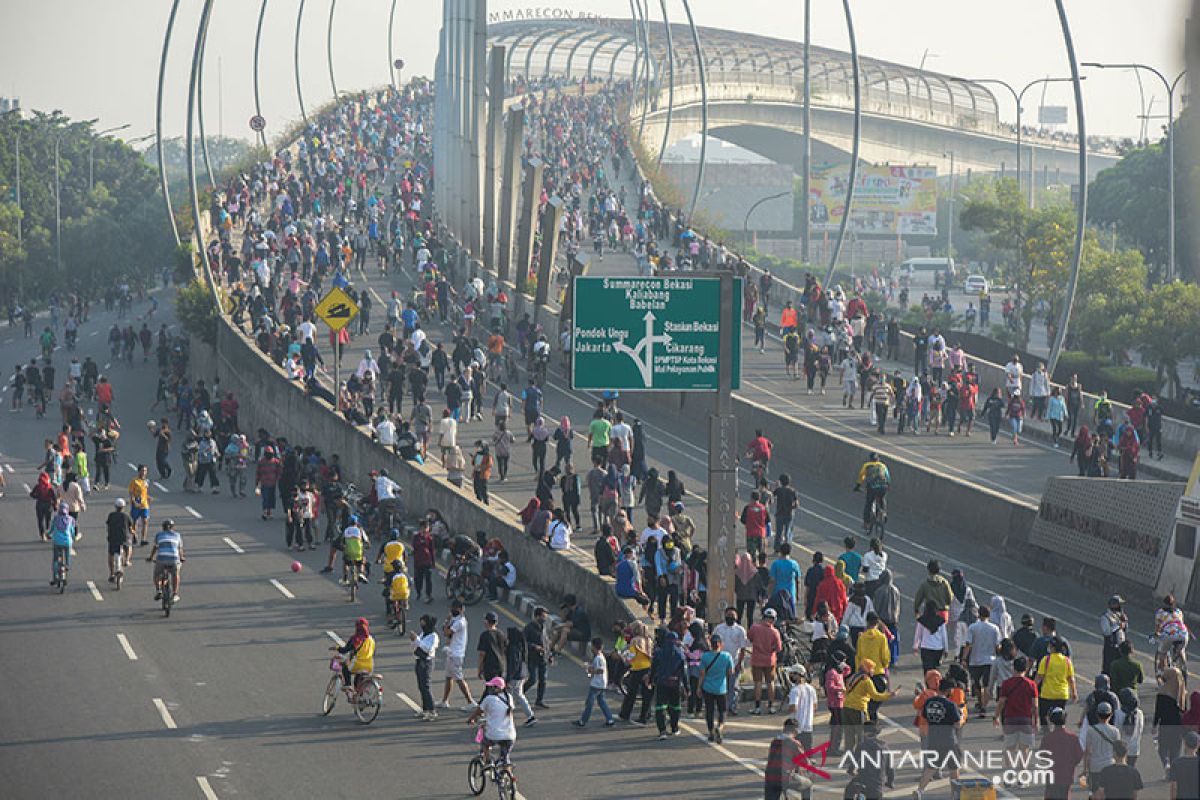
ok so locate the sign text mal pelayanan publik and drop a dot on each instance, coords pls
(650, 334)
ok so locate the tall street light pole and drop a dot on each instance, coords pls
(193, 86)
(854, 72)
(1064, 318)
(92, 153)
(1018, 96)
(806, 155)
(950, 221)
(687, 8)
(329, 47)
(392, 68)
(262, 13)
(57, 208)
(1170, 86)
(670, 81)
(296, 63)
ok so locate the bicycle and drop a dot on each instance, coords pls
(60, 566)
(877, 521)
(365, 696)
(1176, 655)
(163, 587)
(500, 772)
(397, 616)
(464, 584)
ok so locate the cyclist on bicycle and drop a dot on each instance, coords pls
(358, 656)
(167, 555)
(63, 533)
(395, 592)
(465, 550)
(354, 544)
(391, 551)
(875, 476)
(540, 355)
(1170, 631)
(499, 729)
(759, 450)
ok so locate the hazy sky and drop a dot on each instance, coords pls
(93, 59)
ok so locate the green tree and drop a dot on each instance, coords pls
(1166, 330)
(1112, 285)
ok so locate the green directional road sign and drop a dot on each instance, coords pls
(651, 334)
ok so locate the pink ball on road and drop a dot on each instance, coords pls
(297, 566)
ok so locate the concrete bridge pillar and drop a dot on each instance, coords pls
(531, 193)
(510, 183)
(493, 155)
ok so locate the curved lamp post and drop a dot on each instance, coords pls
(191, 145)
(645, 10)
(687, 8)
(1064, 318)
(262, 13)
(158, 123)
(212, 181)
(756, 204)
(670, 81)
(329, 47)
(391, 60)
(296, 63)
(837, 247)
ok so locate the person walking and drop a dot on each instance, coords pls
(516, 671)
(637, 678)
(716, 673)
(425, 649)
(668, 675)
(597, 671)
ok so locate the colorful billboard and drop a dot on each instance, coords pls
(887, 200)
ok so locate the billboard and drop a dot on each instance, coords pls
(1052, 115)
(887, 200)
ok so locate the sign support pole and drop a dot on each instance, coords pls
(722, 470)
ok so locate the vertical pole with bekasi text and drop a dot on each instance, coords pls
(722, 468)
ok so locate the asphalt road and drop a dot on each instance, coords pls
(221, 700)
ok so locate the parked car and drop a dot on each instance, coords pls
(975, 284)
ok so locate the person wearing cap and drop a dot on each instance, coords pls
(491, 648)
(765, 644)
(120, 533)
(668, 676)
(716, 676)
(1065, 754)
(167, 555)
(597, 672)
(801, 703)
(1099, 743)
(781, 773)
(499, 727)
(1024, 636)
(1184, 772)
(1114, 624)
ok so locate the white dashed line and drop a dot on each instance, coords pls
(95, 592)
(193, 512)
(9, 467)
(126, 647)
(234, 545)
(27, 489)
(163, 712)
(109, 364)
(283, 590)
(408, 701)
(161, 488)
(93, 333)
(131, 465)
(209, 794)
(336, 639)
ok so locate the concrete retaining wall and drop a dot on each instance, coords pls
(269, 400)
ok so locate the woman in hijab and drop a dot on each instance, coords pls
(929, 637)
(675, 490)
(839, 570)
(743, 573)
(625, 487)
(652, 493)
(832, 591)
(546, 483)
(886, 598)
(695, 644)
(1129, 447)
(638, 456)
(538, 437)
(1167, 724)
(857, 608)
(531, 508)
(933, 682)
(1130, 720)
(562, 443)
(44, 497)
(960, 618)
(359, 650)
(825, 628)
(1001, 618)
(1080, 451)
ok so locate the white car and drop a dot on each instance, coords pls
(975, 284)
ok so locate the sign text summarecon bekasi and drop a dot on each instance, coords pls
(650, 334)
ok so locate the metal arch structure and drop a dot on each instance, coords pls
(158, 122)
(212, 181)
(644, 11)
(296, 64)
(391, 39)
(532, 47)
(329, 47)
(193, 85)
(262, 13)
(670, 81)
(687, 9)
(603, 43)
(550, 51)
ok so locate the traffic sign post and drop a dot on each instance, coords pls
(652, 334)
(672, 334)
(258, 124)
(336, 310)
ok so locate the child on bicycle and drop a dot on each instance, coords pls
(499, 729)
(396, 593)
(354, 543)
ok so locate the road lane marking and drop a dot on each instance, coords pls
(127, 647)
(109, 364)
(9, 467)
(161, 488)
(283, 590)
(209, 794)
(95, 592)
(165, 713)
(336, 639)
(27, 488)
(93, 333)
(132, 466)
(193, 512)
(236, 547)
(408, 701)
